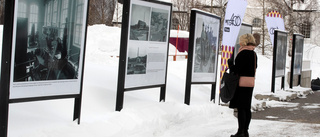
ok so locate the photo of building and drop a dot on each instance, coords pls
(137, 61)
(205, 47)
(49, 38)
(140, 22)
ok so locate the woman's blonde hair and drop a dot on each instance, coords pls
(247, 39)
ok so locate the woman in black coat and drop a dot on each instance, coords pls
(245, 65)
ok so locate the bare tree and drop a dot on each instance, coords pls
(182, 8)
(101, 11)
(181, 14)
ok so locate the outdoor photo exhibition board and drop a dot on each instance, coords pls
(279, 58)
(42, 53)
(297, 55)
(205, 47)
(296, 58)
(280, 50)
(244, 29)
(47, 48)
(147, 47)
(203, 51)
(144, 47)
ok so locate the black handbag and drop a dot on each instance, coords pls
(229, 83)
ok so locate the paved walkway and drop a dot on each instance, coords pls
(307, 110)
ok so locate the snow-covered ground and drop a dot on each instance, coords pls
(143, 115)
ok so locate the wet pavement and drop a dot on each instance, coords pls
(304, 110)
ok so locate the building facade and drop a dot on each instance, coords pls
(306, 21)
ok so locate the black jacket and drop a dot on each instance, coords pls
(244, 65)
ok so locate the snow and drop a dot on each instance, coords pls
(143, 115)
(311, 106)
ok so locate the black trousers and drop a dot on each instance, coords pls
(244, 118)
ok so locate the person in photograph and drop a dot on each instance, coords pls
(245, 64)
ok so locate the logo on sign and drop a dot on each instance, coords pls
(234, 21)
(271, 31)
(226, 29)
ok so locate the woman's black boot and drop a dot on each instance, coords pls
(246, 133)
(239, 134)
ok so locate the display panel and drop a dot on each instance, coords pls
(281, 50)
(205, 47)
(297, 69)
(47, 47)
(147, 47)
(244, 29)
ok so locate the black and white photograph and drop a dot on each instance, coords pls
(159, 25)
(281, 54)
(48, 42)
(137, 61)
(205, 46)
(140, 22)
(298, 54)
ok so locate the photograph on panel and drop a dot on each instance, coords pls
(140, 22)
(137, 60)
(159, 25)
(205, 45)
(48, 39)
(281, 54)
(298, 55)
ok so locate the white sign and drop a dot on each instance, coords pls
(233, 20)
(147, 48)
(274, 21)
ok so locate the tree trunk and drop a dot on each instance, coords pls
(101, 11)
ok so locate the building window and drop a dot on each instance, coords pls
(33, 20)
(256, 22)
(48, 14)
(305, 29)
(55, 13)
(78, 25)
(64, 16)
(22, 10)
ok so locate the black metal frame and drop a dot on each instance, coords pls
(293, 58)
(123, 56)
(190, 57)
(6, 71)
(274, 64)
